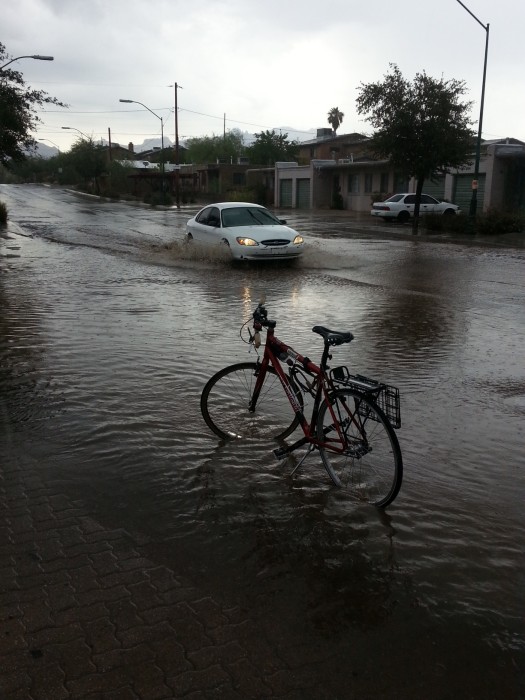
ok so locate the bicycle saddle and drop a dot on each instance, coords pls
(333, 337)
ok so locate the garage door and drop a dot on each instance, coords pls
(303, 193)
(285, 193)
(463, 192)
(435, 188)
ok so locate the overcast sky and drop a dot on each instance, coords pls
(254, 64)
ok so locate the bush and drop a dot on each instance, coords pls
(3, 213)
(240, 194)
(156, 199)
(491, 223)
(449, 224)
(337, 201)
(494, 223)
(378, 197)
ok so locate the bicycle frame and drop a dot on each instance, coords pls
(276, 351)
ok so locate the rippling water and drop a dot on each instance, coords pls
(110, 326)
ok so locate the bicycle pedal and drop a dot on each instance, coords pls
(280, 452)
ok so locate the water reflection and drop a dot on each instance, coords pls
(106, 345)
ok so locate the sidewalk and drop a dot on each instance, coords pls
(83, 614)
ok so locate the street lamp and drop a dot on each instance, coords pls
(74, 129)
(161, 131)
(54, 144)
(177, 171)
(474, 200)
(35, 56)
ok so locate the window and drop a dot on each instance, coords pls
(368, 182)
(353, 184)
(427, 199)
(384, 182)
(239, 179)
(202, 218)
(209, 217)
(400, 183)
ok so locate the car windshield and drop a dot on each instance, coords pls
(395, 198)
(248, 216)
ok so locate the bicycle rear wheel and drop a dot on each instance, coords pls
(226, 397)
(370, 467)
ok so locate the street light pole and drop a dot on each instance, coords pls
(161, 130)
(54, 144)
(474, 200)
(37, 57)
(80, 132)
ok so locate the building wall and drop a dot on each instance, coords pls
(501, 169)
(332, 148)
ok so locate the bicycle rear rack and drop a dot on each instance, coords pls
(385, 396)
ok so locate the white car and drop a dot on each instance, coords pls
(250, 231)
(401, 207)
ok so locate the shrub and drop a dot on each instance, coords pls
(156, 199)
(378, 197)
(337, 201)
(242, 193)
(491, 223)
(449, 224)
(494, 223)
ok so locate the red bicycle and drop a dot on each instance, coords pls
(352, 418)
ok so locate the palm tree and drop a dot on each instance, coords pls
(335, 118)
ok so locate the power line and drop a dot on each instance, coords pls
(170, 109)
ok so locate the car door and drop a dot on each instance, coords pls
(428, 204)
(214, 225)
(409, 203)
(206, 222)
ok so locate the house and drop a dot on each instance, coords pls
(342, 172)
(215, 178)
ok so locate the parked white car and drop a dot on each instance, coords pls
(250, 231)
(401, 207)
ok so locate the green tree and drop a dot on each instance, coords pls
(270, 147)
(422, 127)
(210, 149)
(335, 118)
(88, 160)
(17, 112)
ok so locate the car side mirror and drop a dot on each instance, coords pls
(213, 221)
(282, 221)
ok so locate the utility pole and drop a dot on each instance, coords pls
(177, 160)
(177, 87)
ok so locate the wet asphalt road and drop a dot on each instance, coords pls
(110, 326)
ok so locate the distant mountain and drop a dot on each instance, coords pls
(45, 151)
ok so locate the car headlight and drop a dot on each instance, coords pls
(298, 239)
(246, 241)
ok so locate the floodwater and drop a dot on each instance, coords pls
(109, 328)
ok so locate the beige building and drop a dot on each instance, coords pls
(340, 171)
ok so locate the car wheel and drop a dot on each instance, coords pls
(189, 238)
(448, 212)
(225, 242)
(403, 216)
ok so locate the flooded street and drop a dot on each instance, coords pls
(109, 328)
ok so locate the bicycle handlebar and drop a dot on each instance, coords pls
(260, 318)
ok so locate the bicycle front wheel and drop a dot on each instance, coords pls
(365, 458)
(226, 397)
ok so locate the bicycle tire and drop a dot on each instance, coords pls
(225, 399)
(371, 470)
